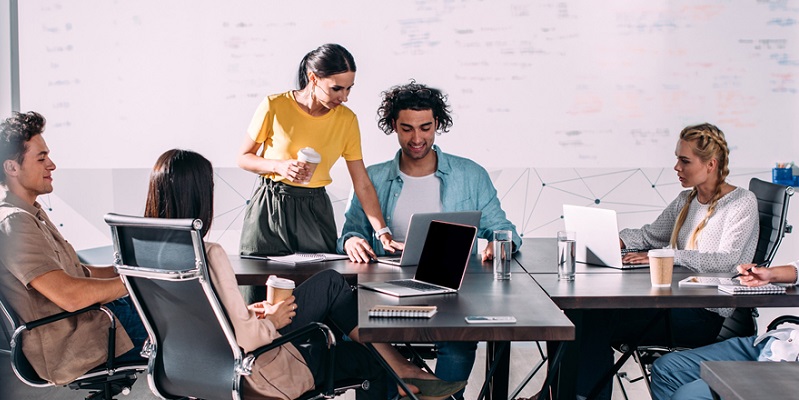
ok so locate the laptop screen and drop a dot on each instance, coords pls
(445, 254)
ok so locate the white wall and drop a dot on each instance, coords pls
(5, 60)
(533, 83)
(563, 102)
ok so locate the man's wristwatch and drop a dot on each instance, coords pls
(382, 231)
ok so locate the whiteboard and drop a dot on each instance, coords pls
(571, 83)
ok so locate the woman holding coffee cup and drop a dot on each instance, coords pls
(711, 227)
(303, 133)
(182, 186)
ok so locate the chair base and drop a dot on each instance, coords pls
(106, 387)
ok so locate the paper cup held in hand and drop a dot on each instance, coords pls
(278, 289)
(661, 266)
(311, 158)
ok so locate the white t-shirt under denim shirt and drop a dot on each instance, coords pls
(729, 238)
(420, 194)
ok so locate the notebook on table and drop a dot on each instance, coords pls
(301, 258)
(737, 288)
(417, 232)
(442, 264)
(597, 236)
(403, 311)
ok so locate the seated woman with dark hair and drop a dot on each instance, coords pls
(182, 186)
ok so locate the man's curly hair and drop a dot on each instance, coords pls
(15, 132)
(417, 97)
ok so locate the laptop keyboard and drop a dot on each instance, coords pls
(415, 285)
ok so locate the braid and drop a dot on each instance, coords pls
(681, 219)
(710, 143)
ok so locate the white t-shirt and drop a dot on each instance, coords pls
(420, 194)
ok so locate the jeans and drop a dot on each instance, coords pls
(676, 375)
(326, 297)
(454, 361)
(129, 320)
(602, 328)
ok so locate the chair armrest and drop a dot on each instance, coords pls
(791, 319)
(67, 314)
(303, 332)
(57, 317)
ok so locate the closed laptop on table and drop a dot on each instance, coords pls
(442, 264)
(597, 236)
(417, 232)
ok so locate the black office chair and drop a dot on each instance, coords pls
(103, 382)
(772, 205)
(192, 348)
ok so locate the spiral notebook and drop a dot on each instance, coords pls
(403, 311)
(301, 258)
(741, 289)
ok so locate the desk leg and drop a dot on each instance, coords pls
(390, 371)
(565, 374)
(497, 371)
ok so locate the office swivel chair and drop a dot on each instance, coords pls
(772, 205)
(103, 382)
(192, 348)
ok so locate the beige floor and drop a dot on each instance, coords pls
(523, 357)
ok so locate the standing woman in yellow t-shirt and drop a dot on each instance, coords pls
(286, 215)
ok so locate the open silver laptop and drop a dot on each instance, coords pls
(597, 236)
(442, 264)
(417, 232)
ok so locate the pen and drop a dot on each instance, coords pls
(763, 264)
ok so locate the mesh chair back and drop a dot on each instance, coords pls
(772, 205)
(163, 265)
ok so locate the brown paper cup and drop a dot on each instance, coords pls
(661, 267)
(278, 289)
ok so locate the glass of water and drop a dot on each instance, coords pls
(567, 246)
(503, 247)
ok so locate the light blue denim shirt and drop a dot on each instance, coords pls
(465, 186)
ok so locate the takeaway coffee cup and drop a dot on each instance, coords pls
(661, 266)
(312, 159)
(278, 289)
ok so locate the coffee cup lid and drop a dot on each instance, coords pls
(309, 155)
(279, 283)
(661, 253)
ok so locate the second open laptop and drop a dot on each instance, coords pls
(417, 232)
(442, 264)
(597, 236)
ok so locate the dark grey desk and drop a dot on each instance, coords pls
(748, 380)
(605, 288)
(479, 295)
(255, 272)
(539, 256)
(624, 290)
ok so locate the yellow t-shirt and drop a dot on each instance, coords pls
(284, 128)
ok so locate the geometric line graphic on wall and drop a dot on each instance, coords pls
(533, 198)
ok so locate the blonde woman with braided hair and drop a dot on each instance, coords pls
(713, 227)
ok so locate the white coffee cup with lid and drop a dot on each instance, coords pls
(312, 159)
